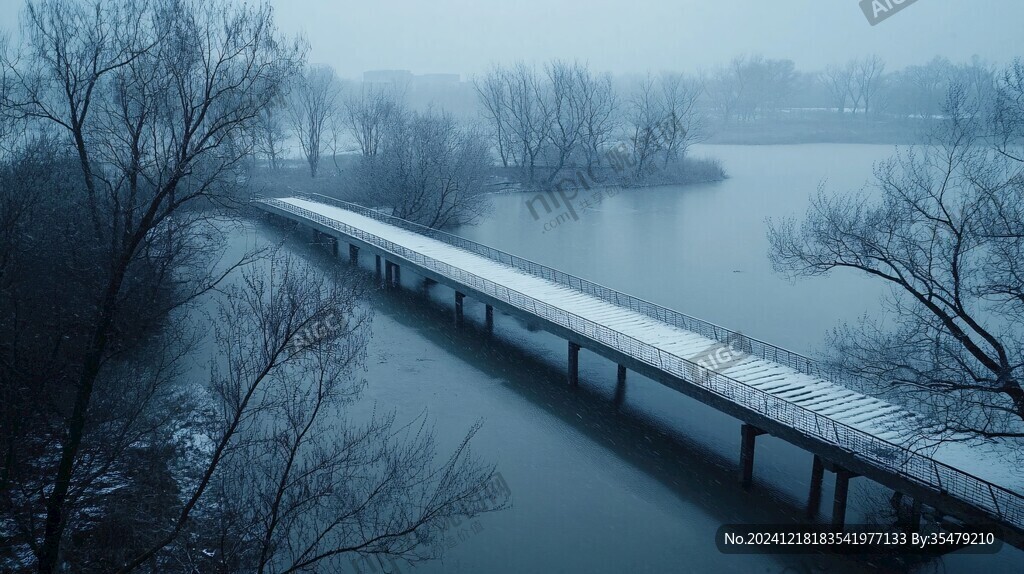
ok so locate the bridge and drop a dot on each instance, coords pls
(770, 390)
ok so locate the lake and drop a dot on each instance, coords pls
(641, 486)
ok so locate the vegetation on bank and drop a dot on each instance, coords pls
(943, 227)
(823, 127)
(124, 131)
(346, 183)
(687, 171)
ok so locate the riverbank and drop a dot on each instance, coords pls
(335, 182)
(688, 171)
(820, 129)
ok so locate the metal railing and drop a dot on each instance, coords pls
(750, 345)
(997, 501)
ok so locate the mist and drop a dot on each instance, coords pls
(505, 287)
(466, 37)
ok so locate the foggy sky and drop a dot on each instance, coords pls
(622, 36)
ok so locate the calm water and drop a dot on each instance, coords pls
(641, 487)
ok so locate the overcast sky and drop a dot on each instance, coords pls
(621, 36)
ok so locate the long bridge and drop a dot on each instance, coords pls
(769, 389)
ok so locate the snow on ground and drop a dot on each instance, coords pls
(991, 461)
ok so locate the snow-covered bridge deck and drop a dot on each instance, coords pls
(771, 389)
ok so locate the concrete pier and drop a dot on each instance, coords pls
(458, 307)
(574, 364)
(748, 438)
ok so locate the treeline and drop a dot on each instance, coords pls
(537, 125)
(548, 122)
(425, 166)
(542, 123)
(759, 100)
(752, 87)
(565, 118)
(124, 126)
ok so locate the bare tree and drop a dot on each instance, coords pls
(270, 136)
(725, 88)
(838, 80)
(599, 114)
(981, 83)
(946, 233)
(751, 86)
(867, 80)
(313, 101)
(562, 103)
(35, 294)
(777, 79)
(920, 90)
(337, 129)
(1008, 112)
(492, 91)
(370, 112)
(683, 123)
(429, 170)
(112, 236)
(528, 119)
(290, 480)
(8, 128)
(644, 118)
(155, 100)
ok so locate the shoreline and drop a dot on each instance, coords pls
(608, 186)
(690, 171)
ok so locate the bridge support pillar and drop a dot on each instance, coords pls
(489, 318)
(620, 385)
(748, 435)
(814, 498)
(896, 500)
(353, 253)
(574, 364)
(334, 246)
(907, 519)
(915, 516)
(378, 266)
(458, 307)
(389, 274)
(842, 491)
(396, 274)
(839, 497)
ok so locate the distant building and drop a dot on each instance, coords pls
(387, 76)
